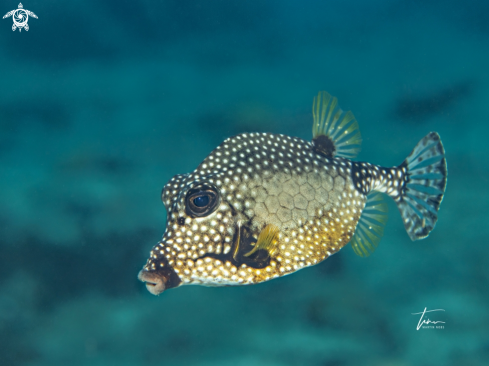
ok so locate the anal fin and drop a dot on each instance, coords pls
(370, 227)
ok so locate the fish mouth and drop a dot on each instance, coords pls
(154, 283)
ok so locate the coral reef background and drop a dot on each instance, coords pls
(102, 102)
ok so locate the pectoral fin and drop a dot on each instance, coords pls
(267, 240)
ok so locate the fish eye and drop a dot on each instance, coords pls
(202, 201)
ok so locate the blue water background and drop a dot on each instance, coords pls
(102, 102)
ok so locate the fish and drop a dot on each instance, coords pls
(263, 205)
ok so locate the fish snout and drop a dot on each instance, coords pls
(155, 283)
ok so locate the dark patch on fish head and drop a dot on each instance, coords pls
(243, 243)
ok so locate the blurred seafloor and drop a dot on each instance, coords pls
(101, 102)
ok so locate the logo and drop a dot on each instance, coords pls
(20, 17)
(427, 323)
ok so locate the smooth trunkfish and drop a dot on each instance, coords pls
(262, 205)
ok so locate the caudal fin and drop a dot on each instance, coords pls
(426, 180)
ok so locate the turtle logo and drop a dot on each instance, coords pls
(20, 17)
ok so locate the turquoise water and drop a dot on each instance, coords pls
(102, 102)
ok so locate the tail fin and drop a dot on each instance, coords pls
(426, 180)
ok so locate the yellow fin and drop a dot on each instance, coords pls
(238, 239)
(341, 128)
(370, 227)
(268, 240)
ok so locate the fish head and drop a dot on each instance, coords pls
(201, 227)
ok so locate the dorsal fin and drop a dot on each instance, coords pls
(370, 227)
(334, 132)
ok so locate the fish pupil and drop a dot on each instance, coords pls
(201, 201)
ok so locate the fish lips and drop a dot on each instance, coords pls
(155, 283)
(160, 278)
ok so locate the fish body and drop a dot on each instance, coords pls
(264, 205)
